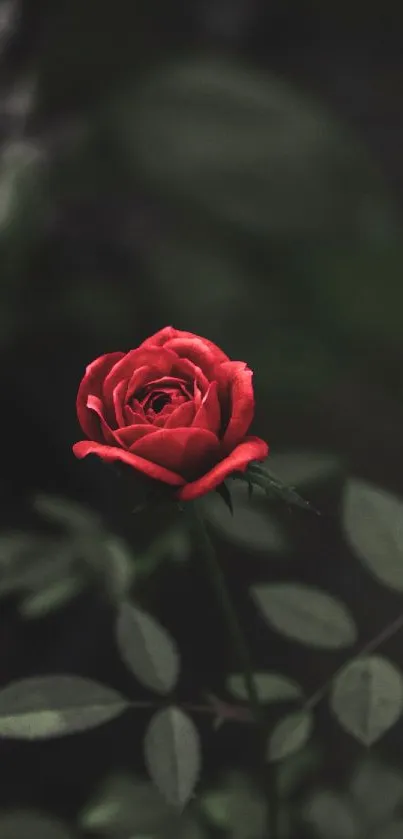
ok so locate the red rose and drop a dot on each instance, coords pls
(176, 409)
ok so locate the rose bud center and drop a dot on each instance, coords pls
(161, 401)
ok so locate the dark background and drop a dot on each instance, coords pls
(233, 169)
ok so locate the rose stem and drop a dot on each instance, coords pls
(217, 579)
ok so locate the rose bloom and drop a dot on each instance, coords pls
(175, 409)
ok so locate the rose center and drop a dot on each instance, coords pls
(161, 402)
(158, 402)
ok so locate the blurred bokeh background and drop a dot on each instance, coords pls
(232, 168)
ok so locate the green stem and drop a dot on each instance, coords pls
(237, 637)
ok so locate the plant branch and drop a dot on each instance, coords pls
(370, 647)
(217, 579)
(224, 601)
(214, 708)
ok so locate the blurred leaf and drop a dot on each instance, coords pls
(367, 697)
(270, 687)
(377, 791)
(147, 649)
(9, 16)
(236, 806)
(12, 545)
(52, 706)
(26, 824)
(120, 570)
(247, 149)
(172, 754)
(40, 603)
(173, 545)
(394, 830)
(188, 828)
(297, 468)
(126, 806)
(67, 513)
(289, 735)
(295, 770)
(21, 181)
(215, 805)
(29, 562)
(305, 614)
(373, 522)
(251, 526)
(332, 816)
(178, 544)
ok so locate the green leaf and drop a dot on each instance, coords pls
(173, 755)
(215, 806)
(305, 614)
(294, 772)
(126, 805)
(290, 735)
(13, 545)
(251, 526)
(377, 790)
(42, 602)
(67, 513)
(237, 806)
(274, 488)
(367, 697)
(225, 494)
(270, 687)
(373, 523)
(331, 816)
(27, 824)
(29, 562)
(52, 706)
(23, 208)
(303, 468)
(147, 649)
(120, 568)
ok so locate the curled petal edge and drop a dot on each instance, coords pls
(110, 454)
(251, 448)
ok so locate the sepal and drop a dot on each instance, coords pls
(226, 496)
(260, 476)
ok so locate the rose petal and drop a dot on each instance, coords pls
(159, 360)
(112, 453)
(94, 404)
(134, 417)
(161, 337)
(127, 436)
(225, 373)
(169, 333)
(182, 450)
(195, 349)
(92, 383)
(209, 413)
(168, 382)
(197, 395)
(252, 448)
(191, 372)
(181, 416)
(242, 409)
(139, 378)
(147, 377)
(118, 397)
